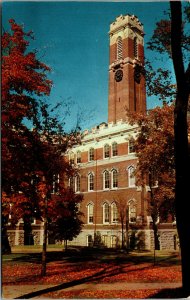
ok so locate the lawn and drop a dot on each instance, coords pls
(93, 267)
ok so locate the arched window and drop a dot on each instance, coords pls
(114, 213)
(119, 48)
(135, 47)
(78, 157)
(91, 154)
(114, 149)
(106, 151)
(90, 213)
(131, 176)
(132, 211)
(106, 213)
(77, 183)
(90, 182)
(114, 178)
(106, 180)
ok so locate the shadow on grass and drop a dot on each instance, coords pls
(107, 272)
(70, 284)
(85, 254)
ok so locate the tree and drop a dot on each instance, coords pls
(23, 80)
(123, 215)
(33, 160)
(182, 153)
(66, 223)
(154, 147)
(50, 143)
(176, 43)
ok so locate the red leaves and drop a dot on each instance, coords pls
(155, 151)
(94, 273)
(61, 272)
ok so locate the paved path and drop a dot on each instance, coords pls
(18, 291)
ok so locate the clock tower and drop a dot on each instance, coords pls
(126, 68)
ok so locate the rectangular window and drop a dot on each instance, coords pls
(77, 183)
(114, 213)
(91, 154)
(91, 182)
(78, 157)
(114, 149)
(106, 213)
(105, 240)
(131, 177)
(90, 213)
(115, 178)
(106, 180)
(113, 241)
(89, 241)
(106, 151)
(131, 146)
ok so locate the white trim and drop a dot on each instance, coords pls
(103, 206)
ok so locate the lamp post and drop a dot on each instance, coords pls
(44, 247)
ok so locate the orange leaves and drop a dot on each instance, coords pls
(104, 274)
(93, 272)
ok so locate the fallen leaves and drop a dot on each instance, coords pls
(61, 272)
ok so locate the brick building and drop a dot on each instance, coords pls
(106, 160)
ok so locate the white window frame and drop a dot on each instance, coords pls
(87, 240)
(78, 157)
(132, 211)
(91, 154)
(90, 182)
(114, 213)
(114, 172)
(106, 151)
(77, 183)
(105, 181)
(72, 158)
(114, 149)
(90, 214)
(106, 213)
(105, 240)
(131, 178)
(113, 241)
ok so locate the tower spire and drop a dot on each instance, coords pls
(126, 76)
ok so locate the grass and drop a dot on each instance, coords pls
(82, 254)
(88, 265)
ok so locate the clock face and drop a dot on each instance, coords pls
(118, 75)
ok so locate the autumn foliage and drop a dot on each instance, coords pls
(23, 80)
(33, 140)
(155, 151)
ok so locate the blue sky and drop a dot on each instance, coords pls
(72, 38)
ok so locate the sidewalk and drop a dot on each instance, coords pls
(17, 291)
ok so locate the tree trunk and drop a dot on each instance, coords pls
(155, 230)
(182, 160)
(44, 249)
(6, 248)
(122, 234)
(127, 228)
